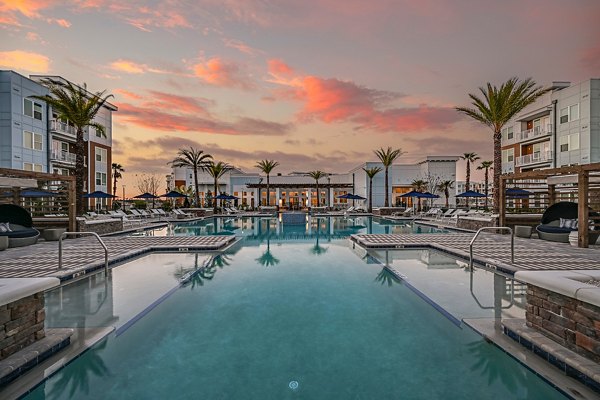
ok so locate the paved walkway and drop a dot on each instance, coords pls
(494, 250)
(86, 254)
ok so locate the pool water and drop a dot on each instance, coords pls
(285, 321)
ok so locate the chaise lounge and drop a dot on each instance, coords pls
(551, 229)
(17, 225)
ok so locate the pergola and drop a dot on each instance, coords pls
(14, 180)
(299, 185)
(578, 183)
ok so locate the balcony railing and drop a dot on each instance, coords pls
(62, 127)
(534, 133)
(540, 157)
(508, 167)
(63, 156)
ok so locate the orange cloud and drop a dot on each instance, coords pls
(62, 22)
(131, 67)
(11, 9)
(223, 73)
(24, 60)
(127, 94)
(241, 46)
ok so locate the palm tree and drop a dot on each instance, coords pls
(371, 172)
(387, 158)
(486, 165)
(498, 106)
(266, 166)
(470, 158)
(116, 171)
(194, 159)
(445, 187)
(217, 170)
(316, 175)
(80, 107)
(419, 185)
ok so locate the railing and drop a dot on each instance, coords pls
(63, 156)
(65, 234)
(508, 167)
(501, 228)
(535, 132)
(62, 127)
(544, 156)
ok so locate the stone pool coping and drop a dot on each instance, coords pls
(13, 289)
(568, 283)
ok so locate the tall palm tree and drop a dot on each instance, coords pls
(116, 171)
(445, 187)
(470, 158)
(498, 107)
(80, 107)
(371, 172)
(316, 175)
(266, 166)
(217, 170)
(387, 158)
(486, 165)
(196, 160)
(419, 185)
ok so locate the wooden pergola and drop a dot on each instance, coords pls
(580, 183)
(299, 185)
(64, 187)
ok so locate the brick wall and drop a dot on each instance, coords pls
(475, 224)
(570, 322)
(21, 324)
(102, 227)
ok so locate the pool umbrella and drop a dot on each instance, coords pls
(98, 194)
(518, 192)
(414, 193)
(146, 196)
(34, 192)
(225, 197)
(471, 193)
(427, 195)
(174, 195)
(350, 196)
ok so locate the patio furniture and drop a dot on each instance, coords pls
(523, 231)
(18, 226)
(53, 234)
(550, 227)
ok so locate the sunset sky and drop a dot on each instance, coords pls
(311, 84)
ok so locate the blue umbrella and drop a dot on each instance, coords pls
(146, 196)
(413, 193)
(427, 195)
(99, 194)
(350, 196)
(33, 192)
(174, 195)
(518, 192)
(470, 193)
(225, 197)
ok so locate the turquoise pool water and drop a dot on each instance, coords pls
(292, 320)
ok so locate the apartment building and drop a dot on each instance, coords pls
(33, 138)
(560, 128)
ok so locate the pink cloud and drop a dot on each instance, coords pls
(590, 59)
(132, 67)
(24, 60)
(218, 72)
(241, 46)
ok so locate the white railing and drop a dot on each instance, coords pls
(534, 133)
(62, 127)
(544, 156)
(64, 156)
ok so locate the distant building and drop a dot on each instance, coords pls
(560, 128)
(32, 138)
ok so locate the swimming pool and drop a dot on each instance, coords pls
(294, 320)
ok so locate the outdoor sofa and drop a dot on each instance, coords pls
(17, 225)
(550, 227)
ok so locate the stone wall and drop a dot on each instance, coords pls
(570, 322)
(388, 210)
(21, 324)
(101, 227)
(475, 223)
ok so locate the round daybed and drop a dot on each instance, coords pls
(550, 228)
(19, 221)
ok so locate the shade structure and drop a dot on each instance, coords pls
(518, 192)
(427, 195)
(414, 193)
(470, 193)
(225, 197)
(145, 196)
(174, 195)
(98, 194)
(35, 192)
(350, 196)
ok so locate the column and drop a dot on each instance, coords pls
(309, 197)
(583, 181)
(277, 196)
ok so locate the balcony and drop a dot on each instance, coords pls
(534, 133)
(508, 167)
(62, 127)
(63, 157)
(535, 158)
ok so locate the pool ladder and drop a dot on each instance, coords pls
(65, 234)
(496, 228)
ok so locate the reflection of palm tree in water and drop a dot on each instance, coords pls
(496, 368)
(267, 259)
(78, 379)
(386, 276)
(316, 249)
(206, 272)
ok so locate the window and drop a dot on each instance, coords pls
(100, 179)
(32, 109)
(98, 133)
(570, 113)
(569, 142)
(32, 167)
(507, 133)
(508, 155)
(101, 155)
(32, 140)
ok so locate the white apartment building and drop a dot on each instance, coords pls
(560, 128)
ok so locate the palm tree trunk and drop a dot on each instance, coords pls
(215, 197)
(80, 171)
(197, 195)
(497, 169)
(387, 203)
(468, 182)
(486, 186)
(370, 195)
(447, 194)
(114, 182)
(318, 204)
(268, 192)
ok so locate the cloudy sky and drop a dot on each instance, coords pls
(316, 84)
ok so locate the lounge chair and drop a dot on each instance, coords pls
(17, 226)
(550, 227)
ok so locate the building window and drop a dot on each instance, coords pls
(570, 113)
(507, 133)
(32, 167)
(101, 155)
(508, 155)
(32, 109)
(97, 132)
(32, 140)
(100, 179)
(569, 142)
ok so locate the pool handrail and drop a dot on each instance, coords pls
(65, 234)
(504, 228)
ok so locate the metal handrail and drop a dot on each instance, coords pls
(502, 228)
(65, 234)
